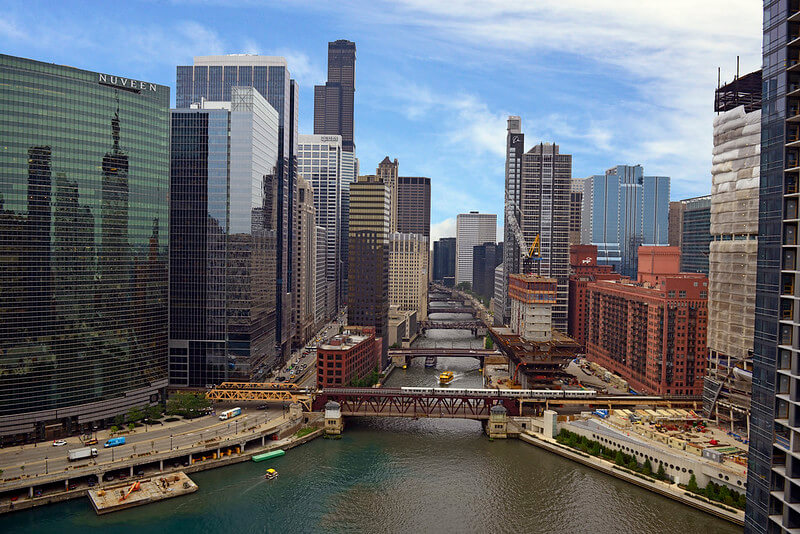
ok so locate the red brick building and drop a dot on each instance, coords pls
(584, 270)
(351, 354)
(652, 332)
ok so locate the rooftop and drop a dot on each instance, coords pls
(343, 341)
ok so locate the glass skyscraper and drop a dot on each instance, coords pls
(623, 210)
(223, 225)
(212, 78)
(84, 183)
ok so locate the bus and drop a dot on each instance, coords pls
(230, 414)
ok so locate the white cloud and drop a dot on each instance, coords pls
(445, 228)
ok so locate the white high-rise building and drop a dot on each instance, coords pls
(320, 161)
(472, 229)
(408, 273)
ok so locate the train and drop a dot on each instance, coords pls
(502, 393)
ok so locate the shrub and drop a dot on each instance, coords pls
(661, 474)
(692, 486)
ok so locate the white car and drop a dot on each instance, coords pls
(59, 443)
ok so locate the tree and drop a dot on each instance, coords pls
(661, 474)
(187, 404)
(114, 429)
(488, 343)
(119, 420)
(131, 425)
(619, 459)
(464, 286)
(135, 414)
(647, 469)
(153, 412)
(692, 486)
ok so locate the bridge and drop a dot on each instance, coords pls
(258, 391)
(451, 309)
(421, 352)
(383, 402)
(476, 327)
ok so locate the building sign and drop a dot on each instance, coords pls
(329, 139)
(126, 83)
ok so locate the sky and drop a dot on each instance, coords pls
(610, 81)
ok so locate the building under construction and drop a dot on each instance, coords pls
(537, 354)
(733, 251)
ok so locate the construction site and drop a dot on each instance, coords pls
(733, 251)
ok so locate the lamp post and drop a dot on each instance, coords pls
(45, 465)
(170, 442)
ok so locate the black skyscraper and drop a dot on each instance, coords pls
(333, 102)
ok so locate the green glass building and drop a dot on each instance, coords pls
(84, 186)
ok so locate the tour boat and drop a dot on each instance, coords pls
(270, 474)
(430, 361)
(446, 377)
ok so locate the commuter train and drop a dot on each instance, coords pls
(508, 393)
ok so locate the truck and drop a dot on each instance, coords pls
(230, 414)
(81, 454)
(113, 442)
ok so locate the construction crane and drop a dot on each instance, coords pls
(527, 254)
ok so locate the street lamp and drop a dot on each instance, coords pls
(170, 442)
(45, 465)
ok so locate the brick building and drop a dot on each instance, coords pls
(351, 354)
(652, 332)
(584, 270)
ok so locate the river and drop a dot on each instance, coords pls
(397, 475)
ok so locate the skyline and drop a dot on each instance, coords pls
(434, 88)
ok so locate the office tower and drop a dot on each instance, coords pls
(652, 332)
(772, 474)
(695, 234)
(512, 251)
(675, 224)
(351, 355)
(498, 300)
(575, 209)
(84, 241)
(224, 159)
(584, 271)
(408, 273)
(387, 172)
(305, 258)
(414, 205)
(368, 293)
(319, 160)
(321, 284)
(444, 259)
(732, 265)
(348, 175)
(537, 205)
(485, 258)
(472, 229)
(334, 101)
(211, 78)
(622, 210)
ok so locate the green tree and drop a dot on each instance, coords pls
(154, 412)
(119, 420)
(464, 286)
(619, 459)
(135, 414)
(187, 404)
(114, 429)
(692, 486)
(633, 465)
(488, 343)
(661, 474)
(131, 425)
(647, 468)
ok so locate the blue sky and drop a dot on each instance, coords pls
(611, 81)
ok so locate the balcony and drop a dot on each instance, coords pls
(794, 17)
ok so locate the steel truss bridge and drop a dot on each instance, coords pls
(256, 391)
(384, 402)
(472, 326)
(451, 309)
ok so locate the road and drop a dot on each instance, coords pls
(298, 359)
(45, 458)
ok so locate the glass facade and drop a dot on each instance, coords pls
(212, 78)
(696, 237)
(84, 183)
(222, 258)
(771, 462)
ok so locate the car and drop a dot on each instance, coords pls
(90, 442)
(108, 477)
(73, 486)
(280, 378)
(262, 407)
(139, 472)
(123, 476)
(59, 443)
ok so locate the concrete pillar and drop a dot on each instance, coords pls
(30, 492)
(550, 424)
(190, 458)
(130, 474)
(295, 411)
(66, 484)
(333, 419)
(263, 441)
(218, 455)
(161, 465)
(498, 422)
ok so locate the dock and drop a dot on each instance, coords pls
(123, 496)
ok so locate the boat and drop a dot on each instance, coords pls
(271, 474)
(446, 377)
(430, 361)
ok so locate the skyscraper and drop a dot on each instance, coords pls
(575, 210)
(444, 259)
(485, 259)
(368, 294)
(695, 234)
(772, 475)
(387, 172)
(472, 229)
(515, 148)
(334, 101)
(305, 263)
(408, 273)
(414, 205)
(622, 210)
(223, 315)
(319, 160)
(83, 230)
(211, 78)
